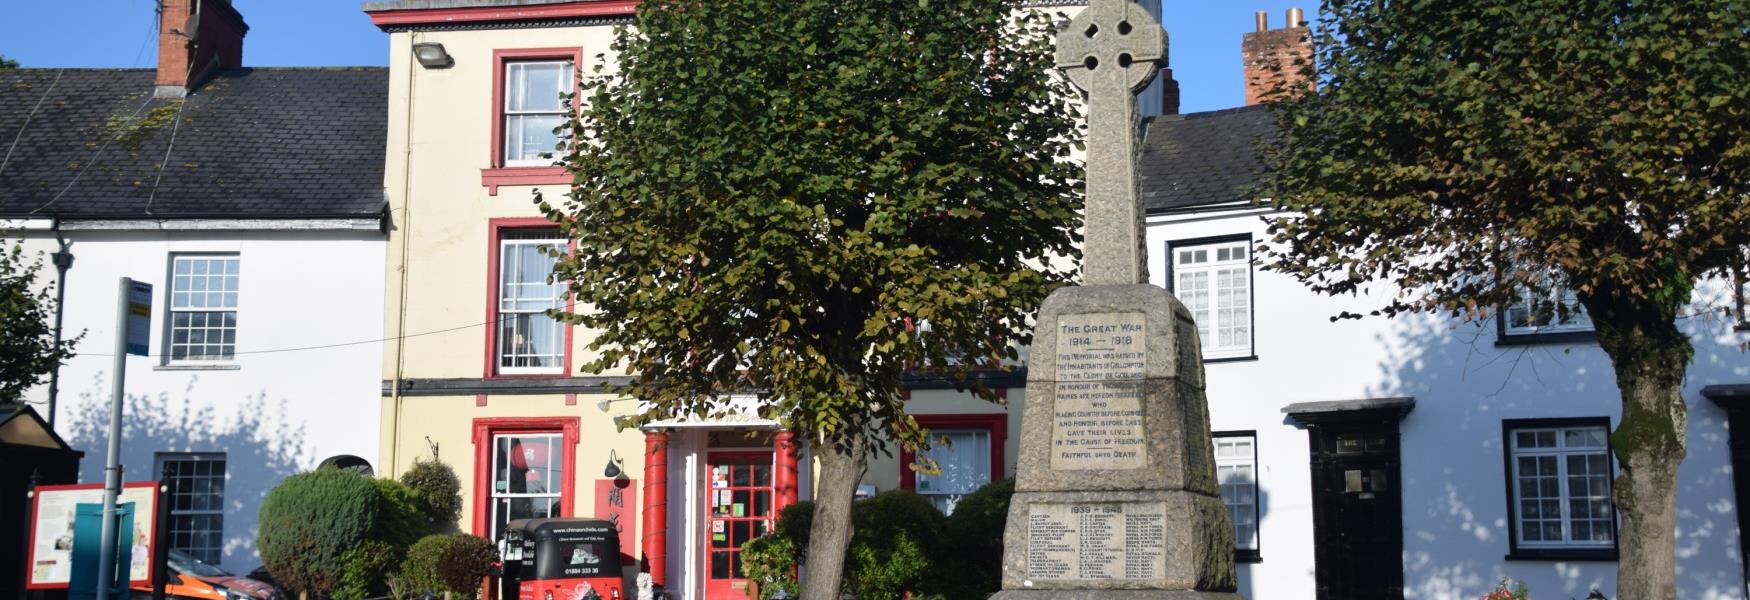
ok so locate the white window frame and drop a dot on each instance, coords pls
(553, 475)
(513, 88)
(1557, 299)
(1560, 451)
(936, 488)
(182, 300)
(210, 555)
(1235, 452)
(504, 353)
(1197, 271)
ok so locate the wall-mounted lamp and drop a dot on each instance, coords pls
(613, 471)
(431, 55)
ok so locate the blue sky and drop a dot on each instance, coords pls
(119, 33)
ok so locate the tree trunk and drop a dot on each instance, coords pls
(1650, 356)
(841, 468)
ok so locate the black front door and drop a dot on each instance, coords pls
(1357, 510)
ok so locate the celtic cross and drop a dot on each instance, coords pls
(1110, 51)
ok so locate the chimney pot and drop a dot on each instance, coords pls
(1296, 17)
(1262, 20)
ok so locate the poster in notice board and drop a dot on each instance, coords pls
(51, 531)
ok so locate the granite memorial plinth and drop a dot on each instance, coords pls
(1115, 492)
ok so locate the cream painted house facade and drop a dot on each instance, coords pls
(475, 375)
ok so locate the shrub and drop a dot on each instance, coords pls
(973, 546)
(897, 536)
(1507, 589)
(363, 569)
(770, 562)
(452, 563)
(309, 520)
(400, 522)
(438, 491)
(794, 523)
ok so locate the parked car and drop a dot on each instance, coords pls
(190, 578)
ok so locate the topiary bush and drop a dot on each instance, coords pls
(439, 493)
(363, 569)
(453, 563)
(973, 545)
(400, 522)
(896, 539)
(309, 520)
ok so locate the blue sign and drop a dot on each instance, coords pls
(139, 333)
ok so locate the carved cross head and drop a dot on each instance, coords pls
(1111, 47)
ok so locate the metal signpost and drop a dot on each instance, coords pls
(133, 333)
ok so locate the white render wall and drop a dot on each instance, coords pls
(272, 415)
(1454, 500)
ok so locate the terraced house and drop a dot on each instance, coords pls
(482, 376)
(252, 201)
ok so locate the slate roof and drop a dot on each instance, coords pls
(1201, 159)
(266, 143)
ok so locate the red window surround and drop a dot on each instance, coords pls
(484, 429)
(997, 423)
(497, 174)
(495, 229)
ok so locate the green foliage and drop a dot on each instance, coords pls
(898, 537)
(438, 492)
(770, 562)
(766, 193)
(972, 552)
(400, 522)
(362, 570)
(452, 563)
(7, 63)
(1467, 150)
(1460, 152)
(28, 352)
(309, 521)
(1507, 589)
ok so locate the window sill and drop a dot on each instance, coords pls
(1247, 556)
(1228, 359)
(1745, 326)
(495, 177)
(197, 367)
(1563, 554)
(1540, 339)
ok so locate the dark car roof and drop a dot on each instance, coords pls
(261, 143)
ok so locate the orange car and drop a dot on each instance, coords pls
(191, 578)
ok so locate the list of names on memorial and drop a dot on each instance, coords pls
(1101, 361)
(1122, 541)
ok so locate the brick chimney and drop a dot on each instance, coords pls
(1169, 92)
(1266, 50)
(196, 38)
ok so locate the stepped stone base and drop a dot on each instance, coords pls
(1114, 595)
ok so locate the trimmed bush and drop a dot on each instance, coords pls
(973, 547)
(897, 537)
(362, 571)
(452, 563)
(438, 491)
(770, 562)
(309, 520)
(400, 522)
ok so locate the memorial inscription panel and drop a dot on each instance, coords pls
(1101, 361)
(1120, 541)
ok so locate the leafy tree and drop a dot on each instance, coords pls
(28, 352)
(7, 63)
(1464, 151)
(767, 194)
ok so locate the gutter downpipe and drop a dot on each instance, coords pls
(63, 261)
(406, 234)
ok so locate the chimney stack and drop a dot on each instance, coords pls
(1270, 55)
(196, 38)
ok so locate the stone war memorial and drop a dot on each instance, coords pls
(1115, 491)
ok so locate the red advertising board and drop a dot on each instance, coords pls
(51, 531)
(616, 501)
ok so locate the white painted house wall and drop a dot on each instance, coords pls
(1454, 502)
(272, 413)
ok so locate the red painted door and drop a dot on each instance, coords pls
(738, 508)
